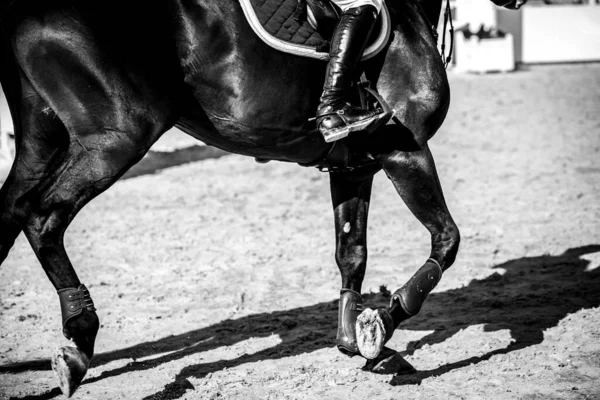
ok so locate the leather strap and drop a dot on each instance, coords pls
(73, 301)
(366, 85)
(412, 295)
(350, 308)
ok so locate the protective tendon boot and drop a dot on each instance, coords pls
(80, 325)
(376, 327)
(412, 295)
(335, 117)
(349, 308)
(72, 303)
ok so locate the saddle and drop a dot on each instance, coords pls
(305, 27)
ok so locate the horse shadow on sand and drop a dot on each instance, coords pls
(530, 296)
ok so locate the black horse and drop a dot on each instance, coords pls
(92, 85)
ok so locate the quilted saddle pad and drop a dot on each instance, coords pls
(280, 25)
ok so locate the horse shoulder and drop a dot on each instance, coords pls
(414, 82)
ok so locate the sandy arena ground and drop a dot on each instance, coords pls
(215, 279)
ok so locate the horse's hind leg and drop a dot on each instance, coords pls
(415, 179)
(41, 137)
(91, 165)
(351, 192)
(112, 116)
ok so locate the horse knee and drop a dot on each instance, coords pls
(446, 243)
(453, 234)
(454, 241)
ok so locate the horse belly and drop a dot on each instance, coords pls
(257, 100)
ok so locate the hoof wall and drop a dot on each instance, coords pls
(389, 362)
(70, 366)
(370, 333)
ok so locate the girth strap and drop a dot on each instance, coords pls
(73, 301)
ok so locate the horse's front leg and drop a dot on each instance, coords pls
(415, 178)
(350, 192)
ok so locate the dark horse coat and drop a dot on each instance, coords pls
(92, 85)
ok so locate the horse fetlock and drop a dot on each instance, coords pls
(350, 307)
(412, 295)
(70, 366)
(80, 321)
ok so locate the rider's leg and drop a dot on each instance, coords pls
(415, 178)
(350, 194)
(335, 117)
(348, 4)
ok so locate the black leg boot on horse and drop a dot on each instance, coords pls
(377, 326)
(80, 325)
(336, 117)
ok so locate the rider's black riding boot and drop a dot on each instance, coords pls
(335, 117)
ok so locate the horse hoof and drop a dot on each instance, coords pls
(370, 333)
(70, 366)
